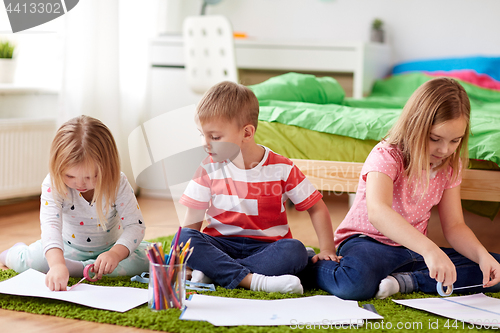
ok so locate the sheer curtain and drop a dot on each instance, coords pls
(105, 65)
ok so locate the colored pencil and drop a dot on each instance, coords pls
(167, 283)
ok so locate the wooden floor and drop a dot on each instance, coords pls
(19, 222)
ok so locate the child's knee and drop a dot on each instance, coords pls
(293, 246)
(188, 233)
(294, 251)
(345, 281)
(357, 289)
(22, 258)
(297, 248)
(355, 292)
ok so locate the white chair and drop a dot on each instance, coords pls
(208, 51)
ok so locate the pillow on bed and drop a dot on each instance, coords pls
(295, 87)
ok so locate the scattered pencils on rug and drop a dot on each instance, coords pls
(167, 274)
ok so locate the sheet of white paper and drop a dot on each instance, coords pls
(476, 309)
(32, 283)
(322, 310)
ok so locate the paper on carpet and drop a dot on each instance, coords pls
(321, 309)
(477, 309)
(32, 283)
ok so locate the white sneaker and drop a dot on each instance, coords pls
(199, 276)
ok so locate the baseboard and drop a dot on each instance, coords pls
(19, 205)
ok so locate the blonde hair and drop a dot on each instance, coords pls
(85, 141)
(229, 101)
(434, 102)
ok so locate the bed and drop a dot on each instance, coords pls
(328, 136)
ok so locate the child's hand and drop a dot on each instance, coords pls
(491, 270)
(326, 255)
(441, 268)
(57, 277)
(106, 263)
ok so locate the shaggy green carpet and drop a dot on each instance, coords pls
(397, 318)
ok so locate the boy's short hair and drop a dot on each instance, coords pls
(229, 101)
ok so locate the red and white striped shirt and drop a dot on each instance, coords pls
(249, 203)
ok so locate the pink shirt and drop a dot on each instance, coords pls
(415, 209)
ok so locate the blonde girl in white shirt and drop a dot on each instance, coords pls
(88, 214)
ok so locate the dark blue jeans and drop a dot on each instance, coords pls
(227, 260)
(366, 262)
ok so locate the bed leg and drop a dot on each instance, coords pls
(351, 199)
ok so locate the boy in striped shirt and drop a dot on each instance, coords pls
(241, 189)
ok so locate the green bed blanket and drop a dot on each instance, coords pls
(371, 118)
(305, 117)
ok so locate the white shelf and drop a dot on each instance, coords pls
(19, 89)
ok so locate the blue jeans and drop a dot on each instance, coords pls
(366, 262)
(227, 260)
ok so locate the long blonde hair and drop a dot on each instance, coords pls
(85, 141)
(434, 102)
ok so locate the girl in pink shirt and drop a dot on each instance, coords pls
(382, 240)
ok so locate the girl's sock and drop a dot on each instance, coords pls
(282, 284)
(75, 268)
(199, 276)
(387, 287)
(3, 255)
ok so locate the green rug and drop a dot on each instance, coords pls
(397, 318)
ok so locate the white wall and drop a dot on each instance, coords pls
(416, 29)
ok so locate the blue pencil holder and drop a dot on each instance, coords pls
(167, 287)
